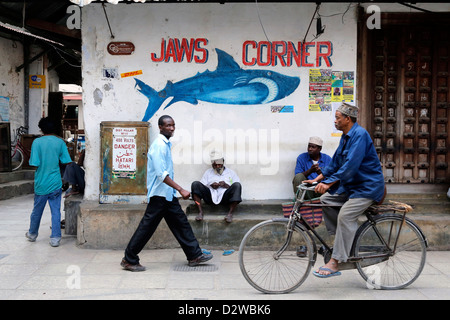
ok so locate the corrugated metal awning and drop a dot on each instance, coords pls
(26, 32)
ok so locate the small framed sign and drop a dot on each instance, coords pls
(120, 48)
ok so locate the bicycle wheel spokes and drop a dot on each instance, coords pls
(268, 268)
(403, 259)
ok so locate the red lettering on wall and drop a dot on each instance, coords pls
(262, 53)
(325, 55)
(277, 55)
(306, 54)
(286, 54)
(170, 51)
(177, 50)
(185, 49)
(245, 53)
(203, 57)
(161, 58)
(293, 53)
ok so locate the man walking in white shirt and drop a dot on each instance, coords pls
(219, 185)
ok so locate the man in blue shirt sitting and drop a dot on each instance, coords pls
(309, 164)
(353, 179)
(161, 190)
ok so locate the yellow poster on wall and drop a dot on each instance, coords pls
(37, 81)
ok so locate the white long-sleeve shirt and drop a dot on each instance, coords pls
(210, 176)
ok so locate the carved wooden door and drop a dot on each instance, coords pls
(410, 100)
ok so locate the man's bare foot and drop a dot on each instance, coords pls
(329, 268)
(229, 218)
(199, 217)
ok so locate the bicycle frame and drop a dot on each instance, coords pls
(18, 147)
(22, 148)
(298, 219)
(381, 241)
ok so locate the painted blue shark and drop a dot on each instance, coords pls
(228, 84)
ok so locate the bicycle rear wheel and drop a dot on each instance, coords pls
(16, 159)
(274, 260)
(398, 269)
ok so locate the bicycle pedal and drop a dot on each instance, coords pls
(301, 251)
(322, 250)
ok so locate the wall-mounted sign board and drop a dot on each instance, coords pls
(120, 48)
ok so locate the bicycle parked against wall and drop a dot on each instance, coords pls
(18, 150)
(389, 249)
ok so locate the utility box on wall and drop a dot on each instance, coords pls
(123, 157)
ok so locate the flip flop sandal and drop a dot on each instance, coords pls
(332, 273)
(227, 252)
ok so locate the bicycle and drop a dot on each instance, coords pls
(389, 249)
(18, 150)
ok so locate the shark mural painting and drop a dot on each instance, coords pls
(228, 84)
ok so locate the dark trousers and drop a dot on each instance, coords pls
(232, 194)
(158, 208)
(74, 175)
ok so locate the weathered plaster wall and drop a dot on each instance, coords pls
(261, 146)
(11, 82)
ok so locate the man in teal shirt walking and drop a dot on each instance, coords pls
(46, 153)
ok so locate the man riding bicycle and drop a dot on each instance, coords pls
(353, 179)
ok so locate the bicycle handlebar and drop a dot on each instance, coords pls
(308, 186)
(21, 130)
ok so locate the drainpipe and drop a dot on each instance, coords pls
(26, 77)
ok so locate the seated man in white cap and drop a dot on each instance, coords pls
(219, 185)
(309, 164)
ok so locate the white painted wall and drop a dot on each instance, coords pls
(265, 159)
(12, 85)
(11, 82)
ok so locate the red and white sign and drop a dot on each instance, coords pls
(124, 149)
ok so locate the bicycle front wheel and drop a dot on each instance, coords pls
(274, 259)
(16, 159)
(403, 261)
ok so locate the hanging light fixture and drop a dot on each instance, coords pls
(319, 28)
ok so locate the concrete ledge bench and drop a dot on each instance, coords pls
(110, 226)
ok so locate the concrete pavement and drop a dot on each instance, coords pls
(37, 271)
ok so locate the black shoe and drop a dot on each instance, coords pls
(131, 267)
(301, 251)
(203, 258)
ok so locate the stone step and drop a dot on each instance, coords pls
(16, 188)
(16, 183)
(6, 177)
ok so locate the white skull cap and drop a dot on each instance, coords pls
(215, 155)
(316, 141)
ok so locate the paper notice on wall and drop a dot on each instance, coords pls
(319, 90)
(36, 81)
(124, 153)
(342, 86)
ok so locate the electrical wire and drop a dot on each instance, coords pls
(260, 21)
(70, 64)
